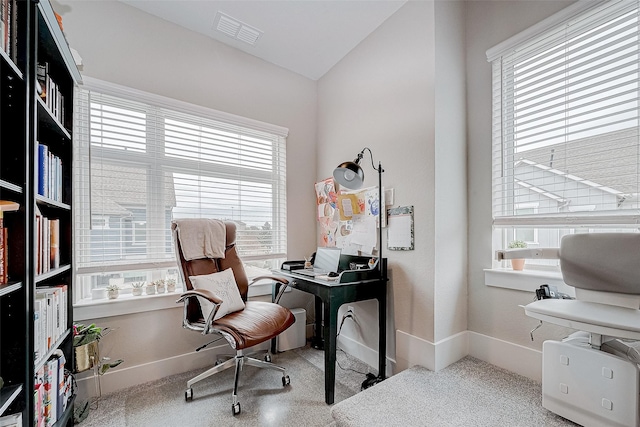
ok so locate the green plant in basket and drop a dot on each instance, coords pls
(85, 335)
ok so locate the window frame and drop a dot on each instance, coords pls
(120, 157)
(505, 184)
(504, 227)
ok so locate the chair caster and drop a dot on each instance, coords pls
(235, 408)
(188, 394)
(267, 358)
(286, 380)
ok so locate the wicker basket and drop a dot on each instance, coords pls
(87, 356)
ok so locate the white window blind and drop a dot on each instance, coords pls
(566, 124)
(142, 160)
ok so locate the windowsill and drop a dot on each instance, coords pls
(526, 280)
(129, 304)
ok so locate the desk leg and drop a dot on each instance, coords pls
(382, 339)
(275, 289)
(330, 331)
(316, 342)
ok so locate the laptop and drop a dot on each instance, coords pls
(325, 262)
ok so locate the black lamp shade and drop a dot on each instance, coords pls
(349, 175)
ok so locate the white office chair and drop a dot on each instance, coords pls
(591, 377)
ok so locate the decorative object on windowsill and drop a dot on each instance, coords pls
(136, 288)
(113, 291)
(87, 355)
(150, 289)
(171, 285)
(160, 286)
(517, 263)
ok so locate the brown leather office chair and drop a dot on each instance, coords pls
(257, 323)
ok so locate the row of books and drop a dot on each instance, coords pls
(8, 27)
(52, 391)
(49, 92)
(49, 317)
(5, 206)
(49, 174)
(47, 243)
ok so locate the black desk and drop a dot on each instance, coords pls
(329, 296)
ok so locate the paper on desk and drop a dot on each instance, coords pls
(325, 277)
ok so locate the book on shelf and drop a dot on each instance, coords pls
(8, 27)
(54, 229)
(50, 390)
(49, 92)
(49, 174)
(42, 71)
(5, 206)
(38, 409)
(47, 238)
(50, 314)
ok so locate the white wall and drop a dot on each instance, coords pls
(450, 171)
(123, 45)
(401, 93)
(493, 312)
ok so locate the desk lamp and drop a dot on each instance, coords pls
(350, 175)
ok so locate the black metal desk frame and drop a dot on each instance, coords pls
(329, 296)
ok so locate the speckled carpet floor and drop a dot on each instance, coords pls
(469, 392)
(263, 399)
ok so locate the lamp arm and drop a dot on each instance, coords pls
(361, 154)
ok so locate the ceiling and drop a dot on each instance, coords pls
(305, 36)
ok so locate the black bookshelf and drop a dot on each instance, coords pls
(27, 119)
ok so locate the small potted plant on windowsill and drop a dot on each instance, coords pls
(150, 288)
(517, 263)
(136, 288)
(171, 285)
(113, 291)
(160, 286)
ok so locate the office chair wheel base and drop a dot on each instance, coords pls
(188, 394)
(267, 358)
(286, 380)
(235, 408)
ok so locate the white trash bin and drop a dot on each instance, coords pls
(295, 336)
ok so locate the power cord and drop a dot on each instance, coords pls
(347, 315)
(348, 369)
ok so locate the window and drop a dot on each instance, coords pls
(527, 235)
(142, 160)
(566, 125)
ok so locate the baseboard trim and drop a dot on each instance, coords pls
(365, 354)
(516, 358)
(410, 351)
(128, 376)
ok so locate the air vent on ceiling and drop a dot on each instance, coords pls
(236, 29)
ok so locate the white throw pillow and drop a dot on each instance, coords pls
(223, 285)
